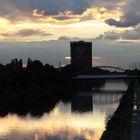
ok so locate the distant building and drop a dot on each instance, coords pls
(81, 54)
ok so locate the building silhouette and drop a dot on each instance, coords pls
(81, 54)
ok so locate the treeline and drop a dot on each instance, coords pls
(15, 73)
(33, 89)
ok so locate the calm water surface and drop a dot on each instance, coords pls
(81, 119)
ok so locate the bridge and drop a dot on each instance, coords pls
(103, 72)
(111, 68)
(88, 77)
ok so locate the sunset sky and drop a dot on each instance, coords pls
(29, 24)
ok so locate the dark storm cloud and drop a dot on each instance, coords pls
(20, 9)
(131, 15)
(50, 7)
(53, 7)
(126, 21)
(26, 33)
(29, 9)
(76, 6)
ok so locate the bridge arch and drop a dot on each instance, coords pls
(107, 68)
(111, 68)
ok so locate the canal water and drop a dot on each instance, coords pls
(81, 119)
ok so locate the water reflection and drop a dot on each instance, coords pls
(112, 85)
(82, 103)
(82, 118)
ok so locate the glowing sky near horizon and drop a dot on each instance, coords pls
(38, 28)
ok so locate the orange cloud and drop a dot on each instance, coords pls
(58, 24)
(38, 13)
(91, 14)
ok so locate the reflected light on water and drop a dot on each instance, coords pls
(64, 122)
(87, 125)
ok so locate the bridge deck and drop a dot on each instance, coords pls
(123, 76)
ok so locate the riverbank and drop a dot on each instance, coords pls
(135, 129)
(118, 126)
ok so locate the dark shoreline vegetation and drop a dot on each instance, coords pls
(118, 126)
(37, 88)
